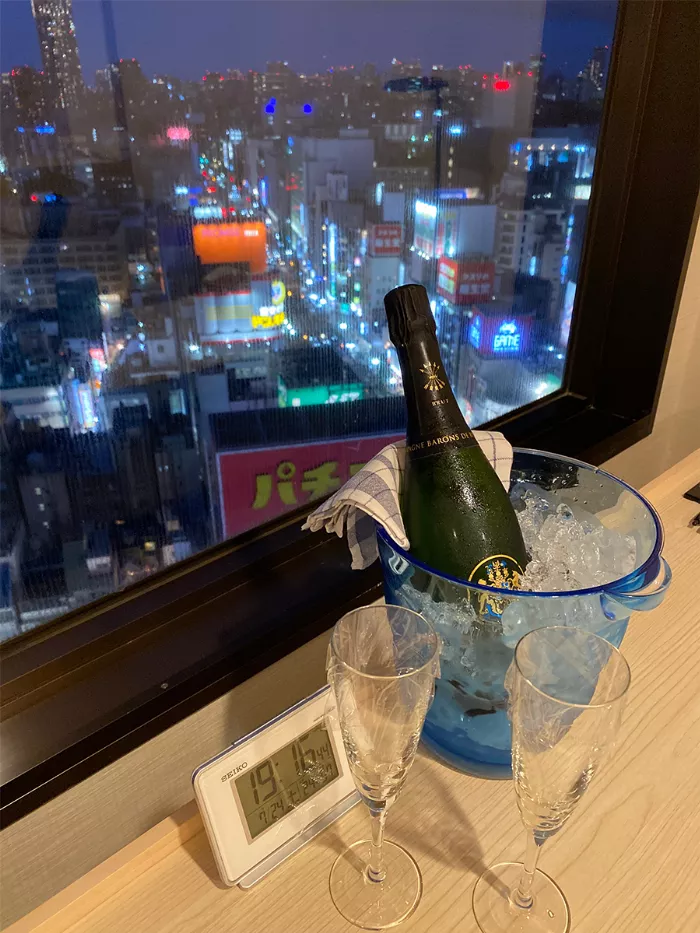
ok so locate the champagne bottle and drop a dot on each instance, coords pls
(458, 517)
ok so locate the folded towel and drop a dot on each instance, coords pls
(372, 495)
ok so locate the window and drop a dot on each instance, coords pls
(242, 345)
(253, 276)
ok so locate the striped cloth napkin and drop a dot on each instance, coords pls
(372, 495)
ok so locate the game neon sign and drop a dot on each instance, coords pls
(507, 338)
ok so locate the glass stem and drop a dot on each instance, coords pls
(375, 869)
(522, 896)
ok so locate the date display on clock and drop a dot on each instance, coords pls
(290, 776)
(270, 793)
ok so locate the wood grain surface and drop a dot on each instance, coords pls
(629, 860)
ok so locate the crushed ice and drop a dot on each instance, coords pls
(569, 548)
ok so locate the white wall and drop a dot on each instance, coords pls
(677, 426)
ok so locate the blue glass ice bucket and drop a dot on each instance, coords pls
(467, 725)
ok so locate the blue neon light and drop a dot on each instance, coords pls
(46, 130)
(507, 338)
(307, 108)
(474, 336)
(20, 129)
(270, 105)
(455, 130)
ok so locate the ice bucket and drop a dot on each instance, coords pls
(467, 724)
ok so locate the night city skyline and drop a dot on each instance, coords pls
(200, 218)
(314, 36)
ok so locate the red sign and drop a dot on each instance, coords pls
(385, 240)
(258, 485)
(448, 271)
(465, 282)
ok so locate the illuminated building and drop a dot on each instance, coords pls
(312, 160)
(553, 158)
(459, 285)
(114, 182)
(28, 96)
(458, 228)
(521, 234)
(383, 262)
(30, 267)
(59, 51)
(405, 69)
(591, 80)
(278, 81)
(508, 102)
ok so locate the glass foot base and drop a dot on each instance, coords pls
(375, 905)
(495, 913)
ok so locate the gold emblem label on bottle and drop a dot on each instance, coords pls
(501, 571)
(434, 382)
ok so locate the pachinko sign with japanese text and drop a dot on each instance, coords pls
(258, 485)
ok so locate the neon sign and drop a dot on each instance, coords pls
(475, 332)
(507, 338)
(266, 319)
(178, 134)
(279, 291)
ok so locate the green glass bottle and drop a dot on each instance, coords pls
(458, 517)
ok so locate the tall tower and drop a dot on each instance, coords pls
(59, 51)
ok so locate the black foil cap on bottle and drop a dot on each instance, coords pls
(408, 310)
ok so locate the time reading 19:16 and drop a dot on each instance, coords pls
(292, 774)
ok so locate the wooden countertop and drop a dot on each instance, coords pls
(628, 862)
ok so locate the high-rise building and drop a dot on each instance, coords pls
(591, 80)
(27, 95)
(78, 303)
(59, 51)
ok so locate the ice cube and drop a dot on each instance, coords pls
(570, 549)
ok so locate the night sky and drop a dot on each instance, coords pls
(188, 37)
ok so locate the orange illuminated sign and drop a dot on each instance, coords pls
(234, 242)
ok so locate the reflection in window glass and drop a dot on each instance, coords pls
(203, 205)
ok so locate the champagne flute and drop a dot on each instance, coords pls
(382, 663)
(566, 692)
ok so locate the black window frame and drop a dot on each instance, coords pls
(219, 617)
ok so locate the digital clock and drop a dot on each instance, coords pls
(274, 790)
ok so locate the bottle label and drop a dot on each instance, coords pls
(434, 382)
(499, 570)
(434, 445)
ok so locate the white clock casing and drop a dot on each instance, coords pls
(239, 860)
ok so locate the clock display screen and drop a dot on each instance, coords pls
(292, 774)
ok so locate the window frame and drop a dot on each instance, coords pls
(183, 639)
